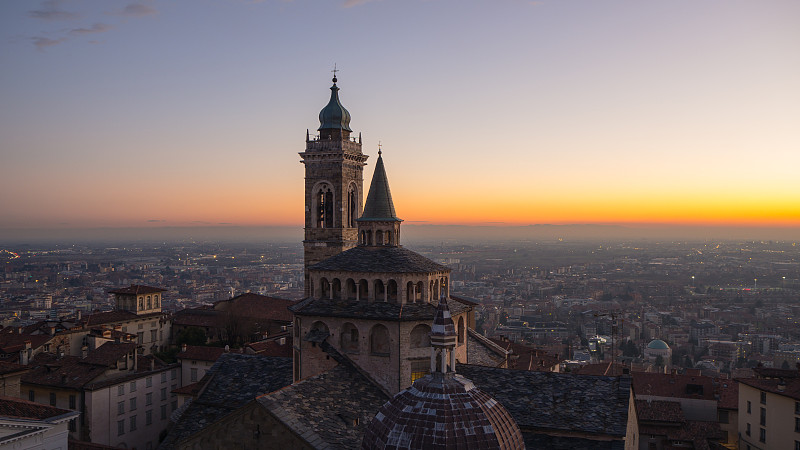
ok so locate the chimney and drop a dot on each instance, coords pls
(227, 348)
(781, 385)
(183, 347)
(283, 341)
(84, 351)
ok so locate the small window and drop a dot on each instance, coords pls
(763, 417)
(73, 425)
(747, 431)
(148, 417)
(120, 427)
(174, 405)
(52, 399)
(163, 377)
(174, 373)
(797, 408)
(133, 423)
(148, 399)
(163, 394)
(164, 412)
(762, 435)
(723, 416)
(148, 382)
(763, 398)
(193, 375)
(749, 407)
(133, 404)
(121, 389)
(72, 402)
(797, 424)
(32, 396)
(174, 386)
(133, 386)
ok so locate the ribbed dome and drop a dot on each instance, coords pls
(442, 412)
(658, 344)
(334, 115)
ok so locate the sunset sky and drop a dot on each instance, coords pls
(182, 113)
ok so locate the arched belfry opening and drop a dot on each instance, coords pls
(324, 206)
(334, 181)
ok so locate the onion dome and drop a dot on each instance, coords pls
(442, 412)
(379, 205)
(657, 344)
(334, 115)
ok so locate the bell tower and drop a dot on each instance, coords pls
(334, 184)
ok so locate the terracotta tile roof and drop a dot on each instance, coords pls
(791, 389)
(199, 317)
(673, 385)
(201, 353)
(273, 347)
(136, 289)
(190, 389)
(607, 369)
(728, 394)
(257, 307)
(659, 411)
(67, 372)
(7, 368)
(10, 343)
(109, 353)
(699, 433)
(23, 409)
(527, 357)
(101, 318)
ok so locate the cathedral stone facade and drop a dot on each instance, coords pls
(366, 295)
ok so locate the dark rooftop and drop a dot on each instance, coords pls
(379, 260)
(373, 310)
(136, 289)
(234, 380)
(329, 410)
(557, 401)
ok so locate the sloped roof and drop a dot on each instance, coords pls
(23, 409)
(257, 306)
(109, 353)
(673, 385)
(659, 411)
(379, 205)
(330, 410)
(201, 353)
(136, 289)
(372, 310)
(234, 380)
(557, 401)
(379, 259)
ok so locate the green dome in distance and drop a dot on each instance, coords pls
(658, 344)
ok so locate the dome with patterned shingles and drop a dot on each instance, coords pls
(442, 410)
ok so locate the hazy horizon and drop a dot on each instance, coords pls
(411, 233)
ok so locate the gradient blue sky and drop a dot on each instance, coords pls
(159, 113)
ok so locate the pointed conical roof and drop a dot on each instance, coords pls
(334, 115)
(379, 205)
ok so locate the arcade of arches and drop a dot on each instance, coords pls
(426, 288)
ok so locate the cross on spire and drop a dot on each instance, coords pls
(334, 72)
(379, 147)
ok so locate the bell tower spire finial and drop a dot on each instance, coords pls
(334, 72)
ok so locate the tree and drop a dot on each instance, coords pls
(192, 336)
